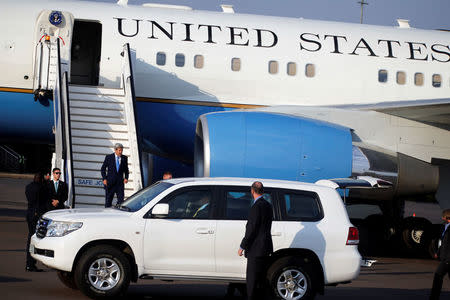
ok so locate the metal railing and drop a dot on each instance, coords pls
(10, 160)
(130, 111)
(62, 158)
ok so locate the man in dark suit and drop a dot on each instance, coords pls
(444, 257)
(115, 175)
(58, 191)
(37, 205)
(257, 242)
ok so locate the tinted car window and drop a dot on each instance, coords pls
(238, 204)
(301, 206)
(141, 198)
(192, 204)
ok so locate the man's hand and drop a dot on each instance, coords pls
(55, 202)
(105, 182)
(125, 181)
(435, 256)
(240, 252)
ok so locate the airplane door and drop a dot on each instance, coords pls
(51, 26)
(86, 53)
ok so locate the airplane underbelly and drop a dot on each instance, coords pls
(169, 128)
(24, 120)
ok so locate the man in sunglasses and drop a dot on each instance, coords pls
(58, 191)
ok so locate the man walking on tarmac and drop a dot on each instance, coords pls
(444, 257)
(115, 175)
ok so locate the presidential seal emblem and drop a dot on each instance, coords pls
(55, 18)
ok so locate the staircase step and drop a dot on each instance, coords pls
(97, 112)
(94, 119)
(99, 134)
(80, 149)
(96, 98)
(94, 90)
(89, 201)
(98, 191)
(96, 105)
(94, 182)
(88, 157)
(89, 165)
(99, 126)
(98, 142)
(88, 174)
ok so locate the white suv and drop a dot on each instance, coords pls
(191, 228)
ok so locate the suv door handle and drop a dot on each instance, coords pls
(276, 233)
(203, 231)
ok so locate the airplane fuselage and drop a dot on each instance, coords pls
(188, 62)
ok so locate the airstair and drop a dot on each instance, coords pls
(89, 120)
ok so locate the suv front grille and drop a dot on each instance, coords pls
(41, 227)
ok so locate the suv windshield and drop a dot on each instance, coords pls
(141, 198)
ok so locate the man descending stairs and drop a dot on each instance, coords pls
(98, 121)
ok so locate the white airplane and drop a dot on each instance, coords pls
(241, 95)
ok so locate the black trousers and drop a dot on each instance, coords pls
(117, 189)
(32, 221)
(256, 277)
(442, 269)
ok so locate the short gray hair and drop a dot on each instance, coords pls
(117, 146)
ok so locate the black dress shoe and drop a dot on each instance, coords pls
(33, 269)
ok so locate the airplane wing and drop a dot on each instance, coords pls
(432, 112)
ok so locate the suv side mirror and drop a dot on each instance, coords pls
(160, 210)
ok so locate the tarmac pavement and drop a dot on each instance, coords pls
(389, 278)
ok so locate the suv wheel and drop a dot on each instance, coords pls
(103, 271)
(290, 278)
(67, 279)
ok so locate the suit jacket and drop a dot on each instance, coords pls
(109, 170)
(60, 195)
(257, 241)
(444, 250)
(37, 199)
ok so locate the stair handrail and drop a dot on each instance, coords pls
(9, 158)
(68, 167)
(130, 111)
(63, 145)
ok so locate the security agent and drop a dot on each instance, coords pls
(444, 256)
(115, 175)
(58, 191)
(257, 242)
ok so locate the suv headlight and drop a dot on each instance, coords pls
(58, 228)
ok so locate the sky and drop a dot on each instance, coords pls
(425, 14)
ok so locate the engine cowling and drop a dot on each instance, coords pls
(272, 146)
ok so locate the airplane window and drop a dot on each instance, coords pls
(418, 79)
(382, 76)
(236, 64)
(437, 79)
(179, 60)
(273, 67)
(160, 58)
(292, 69)
(198, 61)
(401, 77)
(310, 70)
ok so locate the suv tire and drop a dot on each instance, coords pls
(103, 271)
(291, 278)
(67, 278)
